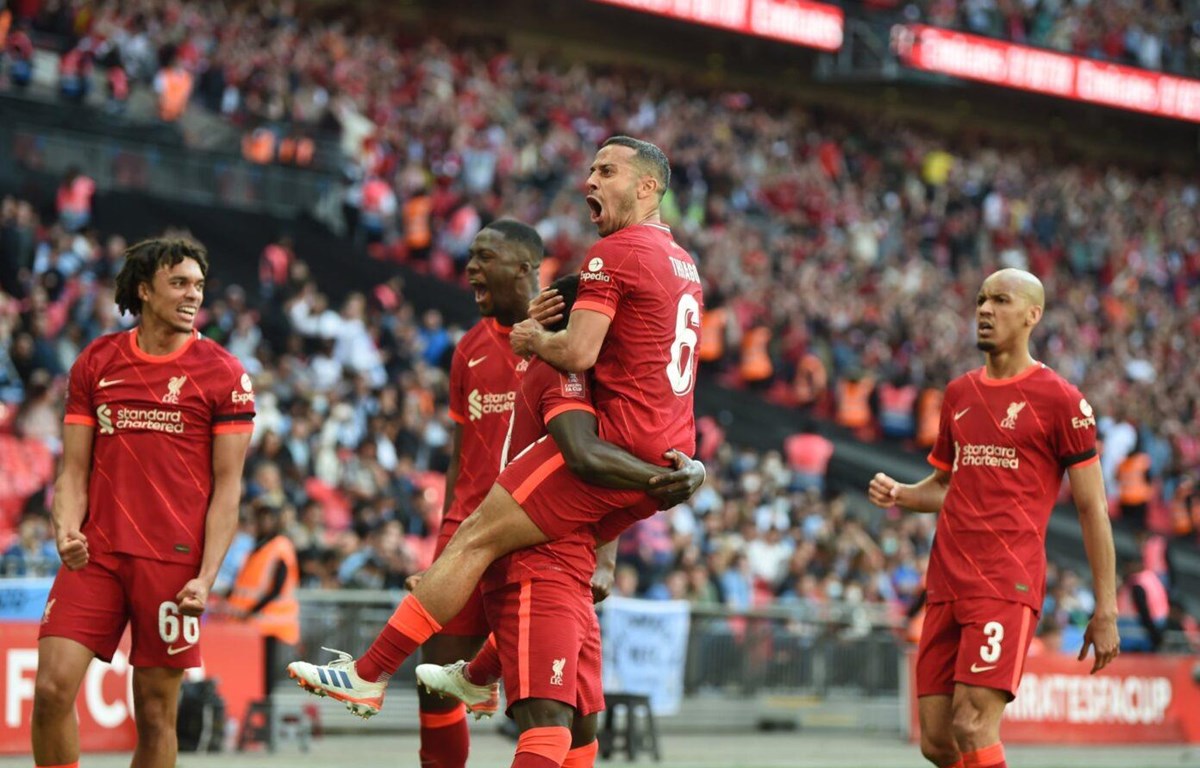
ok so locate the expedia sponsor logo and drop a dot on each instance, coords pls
(480, 404)
(152, 419)
(1089, 416)
(586, 276)
(992, 456)
(247, 393)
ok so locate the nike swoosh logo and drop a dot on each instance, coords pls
(181, 649)
(961, 413)
(977, 668)
(108, 382)
(476, 361)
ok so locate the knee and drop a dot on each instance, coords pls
(940, 752)
(53, 695)
(154, 715)
(968, 723)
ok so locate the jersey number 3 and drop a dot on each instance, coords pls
(681, 371)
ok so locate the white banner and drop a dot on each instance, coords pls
(645, 649)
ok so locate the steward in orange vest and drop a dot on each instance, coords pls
(265, 589)
(1133, 487)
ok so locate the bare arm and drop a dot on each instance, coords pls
(229, 456)
(924, 496)
(573, 349)
(602, 463)
(71, 495)
(1087, 488)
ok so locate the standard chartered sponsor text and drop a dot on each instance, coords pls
(1002, 456)
(1131, 700)
(156, 419)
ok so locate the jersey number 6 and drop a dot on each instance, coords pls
(681, 371)
(169, 622)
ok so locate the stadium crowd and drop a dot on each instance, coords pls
(841, 259)
(841, 255)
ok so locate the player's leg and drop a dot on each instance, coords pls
(940, 638)
(584, 746)
(936, 715)
(62, 663)
(545, 727)
(976, 719)
(991, 660)
(155, 704)
(497, 527)
(445, 738)
(85, 617)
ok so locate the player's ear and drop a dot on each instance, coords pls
(1033, 315)
(648, 186)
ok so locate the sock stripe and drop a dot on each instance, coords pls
(551, 742)
(443, 719)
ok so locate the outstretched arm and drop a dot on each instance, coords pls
(1087, 488)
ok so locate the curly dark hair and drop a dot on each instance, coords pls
(144, 259)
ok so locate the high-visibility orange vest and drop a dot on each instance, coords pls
(258, 146)
(1133, 485)
(1157, 600)
(296, 150)
(929, 416)
(712, 334)
(756, 362)
(281, 617)
(811, 380)
(417, 232)
(854, 403)
(177, 89)
(5, 23)
(896, 409)
(1183, 520)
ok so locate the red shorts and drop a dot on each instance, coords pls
(975, 641)
(558, 501)
(92, 606)
(549, 643)
(470, 621)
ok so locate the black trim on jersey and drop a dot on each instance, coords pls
(220, 417)
(1070, 461)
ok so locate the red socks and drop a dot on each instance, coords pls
(582, 757)
(64, 765)
(408, 628)
(445, 739)
(988, 757)
(484, 669)
(544, 747)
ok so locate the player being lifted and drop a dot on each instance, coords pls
(1008, 430)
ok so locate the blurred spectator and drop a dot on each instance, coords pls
(34, 553)
(74, 200)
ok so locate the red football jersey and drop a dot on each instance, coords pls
(1006, 443)
(646, 371)
(154, 418)
(545, 393)
(483, 384)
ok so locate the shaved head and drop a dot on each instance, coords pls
(1017, 282)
